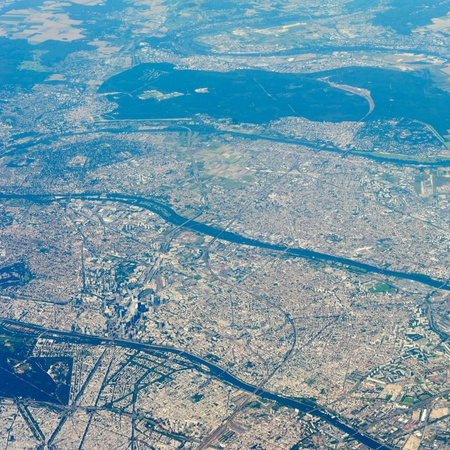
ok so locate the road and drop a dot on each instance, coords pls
(168, 214)
(213, 369)
(364, 93)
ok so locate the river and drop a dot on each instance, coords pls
(168, 214)
(217, 372)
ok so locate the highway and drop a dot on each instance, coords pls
(206, 366)
(169, 215)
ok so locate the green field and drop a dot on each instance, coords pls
(378, 288)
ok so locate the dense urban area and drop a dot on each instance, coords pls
(224, 224)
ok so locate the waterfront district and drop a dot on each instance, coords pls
(178, 275)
